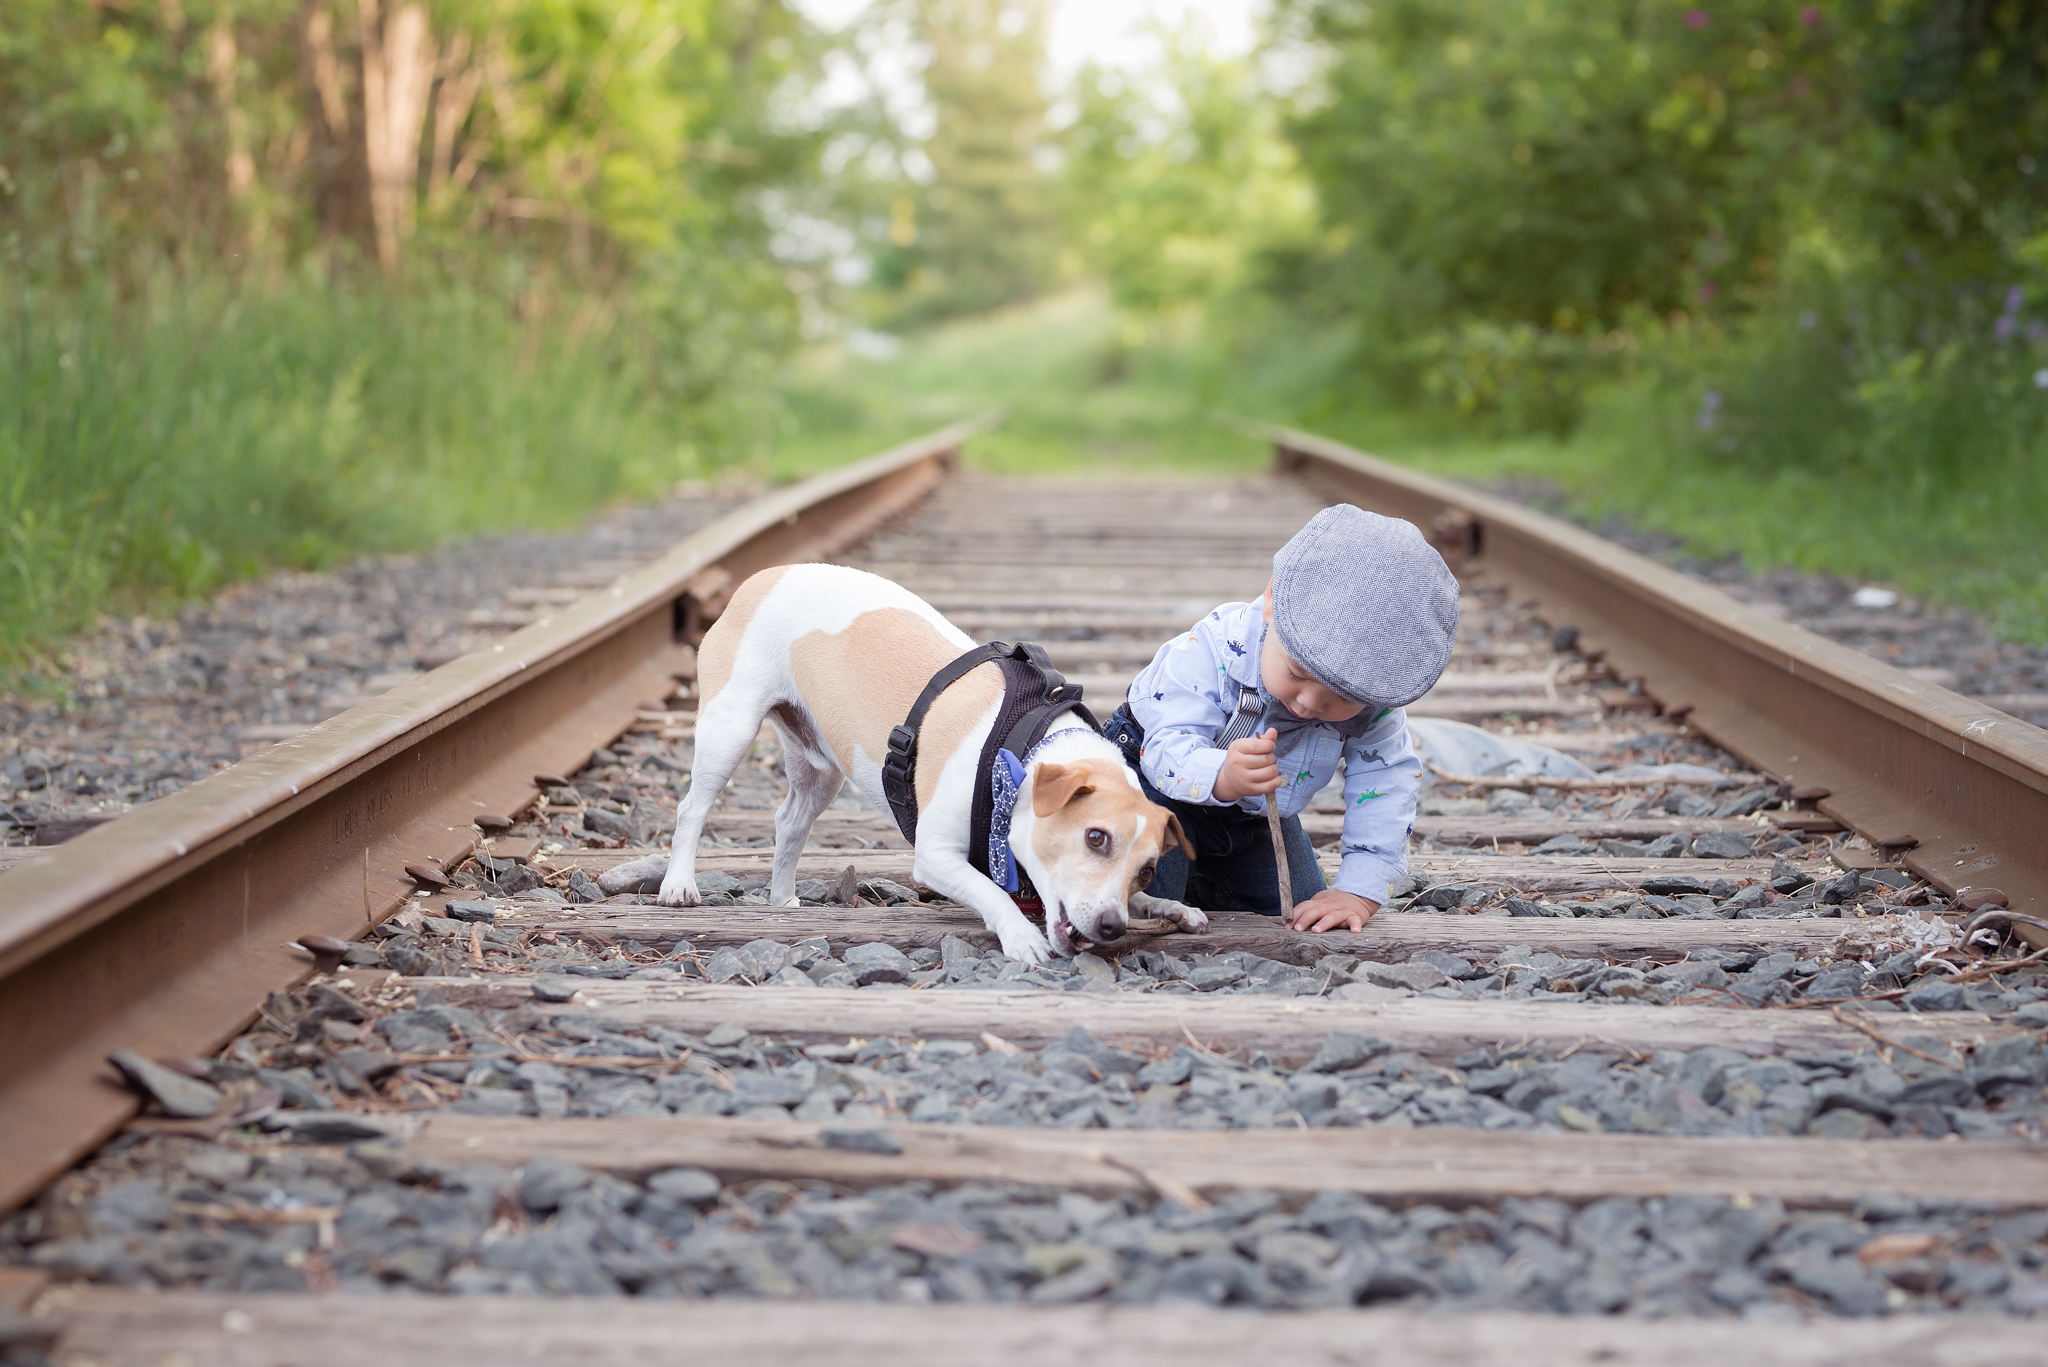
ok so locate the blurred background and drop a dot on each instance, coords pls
(289, 281)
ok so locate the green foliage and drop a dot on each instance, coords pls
(1180, 184)
(159, 448)
(977, 230)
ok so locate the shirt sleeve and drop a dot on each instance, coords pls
(1382, 779)
(1178, 700)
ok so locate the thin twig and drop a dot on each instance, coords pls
(1888, 1042)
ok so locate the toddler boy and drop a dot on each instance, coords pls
(1258, 701)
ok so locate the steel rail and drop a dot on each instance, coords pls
(1899, 757)
(165, 930)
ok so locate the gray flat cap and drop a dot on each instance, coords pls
(1366, 605)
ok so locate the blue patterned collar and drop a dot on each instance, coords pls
(1005, 784)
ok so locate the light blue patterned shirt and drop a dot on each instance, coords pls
(1202, 690)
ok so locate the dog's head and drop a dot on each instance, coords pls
(1094, 839)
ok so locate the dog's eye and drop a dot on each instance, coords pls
(1145, 875)
(1098, 840)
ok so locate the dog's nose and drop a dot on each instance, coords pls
(1111, 930)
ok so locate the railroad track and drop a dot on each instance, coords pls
(1611, 1048)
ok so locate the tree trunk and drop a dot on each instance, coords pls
(460, 80)
(398, 73)
(221, 56)
(334, 156)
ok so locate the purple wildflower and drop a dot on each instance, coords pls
(2014, 297)
(1697, 18)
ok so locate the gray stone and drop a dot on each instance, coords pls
(726, 964)
(1848, 1285)
(1691, 974)
(327, 1127)
(1093, 966)
(473, 912)
(878, 963)
(1722, 845)
(1450, 964)
(548, 989)
(547, 1179)
(1343, 1049)
(127, 1207)
(1673, 884)
(607, 825)
(1665, 847)
(1210, 976)
(1786, 879)
(1939, 995)
(406, 959)
(690, 1186)
(184, 1097)
(1413, 975)
(1843, 890)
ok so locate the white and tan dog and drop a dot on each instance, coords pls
(833, 658)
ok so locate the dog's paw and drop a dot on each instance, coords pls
(677, 891)
(1191, 919)
(631, 877)
(1027, 945)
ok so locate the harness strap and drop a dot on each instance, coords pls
(1029, 677)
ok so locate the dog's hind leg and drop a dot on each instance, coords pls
(726, 727)
(814, 780)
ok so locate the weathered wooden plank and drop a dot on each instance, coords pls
(12, 855)
(116, 1328)
(1392, 937)
(1506, 872)
(1444, 1165)
(1290, 1029)
(1527, 829)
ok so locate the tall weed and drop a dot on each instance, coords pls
(160, 445)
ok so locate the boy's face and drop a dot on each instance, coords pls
(1297, 689)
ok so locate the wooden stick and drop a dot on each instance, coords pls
(1280, 858)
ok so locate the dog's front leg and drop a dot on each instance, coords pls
(1191, 919)
(948, 873)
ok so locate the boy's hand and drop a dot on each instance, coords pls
(1248, 768)
(1330, 908)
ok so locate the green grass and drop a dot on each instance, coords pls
(1946, 502)
(154, 449)
(1081, 391)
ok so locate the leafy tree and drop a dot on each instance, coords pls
(978, 228)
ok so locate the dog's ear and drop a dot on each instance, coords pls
(1176, 836)
(1055, 785)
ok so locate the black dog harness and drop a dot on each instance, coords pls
(1034, 694)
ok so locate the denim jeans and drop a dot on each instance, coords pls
(1234, 866)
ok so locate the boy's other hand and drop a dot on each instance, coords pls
(1248, 768)
(1330, 909)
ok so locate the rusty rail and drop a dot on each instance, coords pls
(165, 930)
(1900, 758)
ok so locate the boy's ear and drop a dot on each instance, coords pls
(1055, 785)
(1176, 836)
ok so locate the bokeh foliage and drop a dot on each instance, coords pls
(290, 279)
